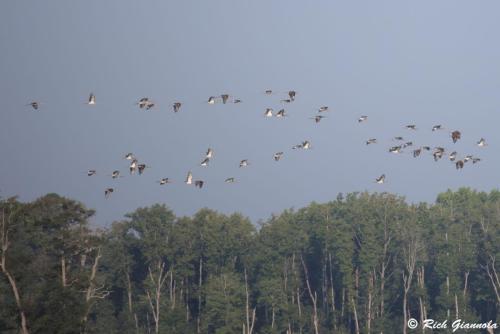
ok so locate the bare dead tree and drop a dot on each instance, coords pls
(154, 296)
(313, 296)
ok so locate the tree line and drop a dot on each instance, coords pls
(362, 263)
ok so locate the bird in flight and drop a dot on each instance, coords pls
(380, 179)
(437, 127)
(199, 183)
(305, 145)
(481, 142)
(189, 178)
(362, 119)
(371, 141)
(91, 172)
(268, 112)
(453, 156)
(244, 163)
(91, 100)
(411, 127)
(395, 149)
(141, 168)
(455, 136)
(277, 156)
(164, 181)
(35, 105)
(144, 102)
(108, 192)
(318, 118)
(177, 106)
(292, 94)
(417, 152)
(268, 92)
(459, 164)
(211, 100)
(438, 153)
(115, 174)
(224, 98)
(323, 109)
(281, 113)
(205, 162)
(209, 153)
(133, 166)
(129, 156)
(229, 180)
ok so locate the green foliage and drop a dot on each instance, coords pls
(358, 250)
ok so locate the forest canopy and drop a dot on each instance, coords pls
(362, 263)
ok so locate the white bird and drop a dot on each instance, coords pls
(211, 100)
(205, 162)
(268, 112)
(91, 172)
(210, 153)
(189, 178)
(380, 179)
(129, 156)
(244, 163)
(91, 100)
(362, 119)
(481, 142)
(277, 156)
(305, 145)
(133, 166)
(395, 149)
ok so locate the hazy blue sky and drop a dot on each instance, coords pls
(399, 62)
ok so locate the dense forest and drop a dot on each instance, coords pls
(363, 263)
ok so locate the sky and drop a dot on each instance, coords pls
(398, 62)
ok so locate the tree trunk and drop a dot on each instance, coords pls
(250, 322)
(198, 320)
(314, 297)
(154, 298)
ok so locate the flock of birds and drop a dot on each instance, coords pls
(146, 103)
